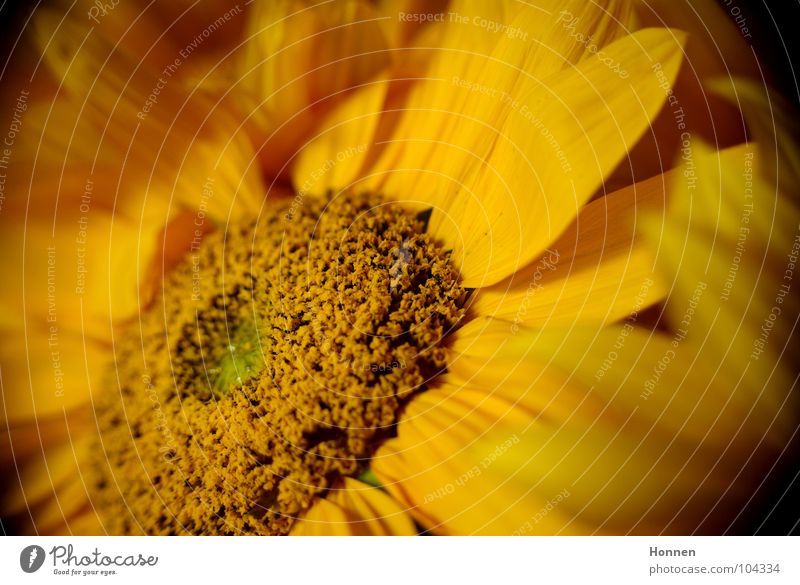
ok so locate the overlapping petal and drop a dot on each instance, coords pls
(594, 431)
(597, 271)
(355, 509)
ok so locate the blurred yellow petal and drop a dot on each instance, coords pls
(154, 34)
(40, 476)
(24, 439)
(114, 91)
(640, 442)
(218, 177)
(355, 509)
(52, 485)
(52, 371)
(729, 245)
(338, 151)
(85, 523)
(441, 469)
(298, 59)
(146, 125)
(625, 366)
(714, 47)
(67, 277)
(770, 121)
(66, 504)
(398, 28)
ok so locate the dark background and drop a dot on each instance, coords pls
(775, 37)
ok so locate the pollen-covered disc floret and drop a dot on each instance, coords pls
(278, 358)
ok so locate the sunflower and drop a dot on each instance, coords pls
(366, 268)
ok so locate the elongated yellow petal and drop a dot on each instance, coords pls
(85, 523)
(297, 61)
(66, 274)
(731, 242)
(47, 373)
(400, 22)
(637, 435)
(567, 134)
(630, 368)
(454, 113)
(354, 508)
(598, 271)
(715, 47)
(41, 474)
(333, 159)
(156, 134)
(160, 33)
(51, 484)
(115, 92)
(441, 467)
(444, 129)
(68, 502)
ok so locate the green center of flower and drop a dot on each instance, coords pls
(278, 359)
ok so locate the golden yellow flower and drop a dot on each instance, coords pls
(391, 268)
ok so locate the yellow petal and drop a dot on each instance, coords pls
(555, 150)
(714, 47)
(354, 508)
(217, 178)
(597, 271)
(27, 438)
(88, 274)
(443, 127)
(50, 490)
(156, 33)
(399, 26)
(619, 480)
(48, 373)
(632, 369)
(68, 502)
(151, 128)
(730, 243)
(641, 431)
(41, 474)
(334, 157)
(114, 90)
(441, 468)
(296, 62)
(454, 113)
(86, 523)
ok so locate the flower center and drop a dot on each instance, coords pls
(278, 358)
